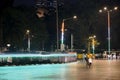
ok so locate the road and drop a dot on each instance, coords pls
(100, 70)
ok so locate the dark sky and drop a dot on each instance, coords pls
(85, 4)
(24, 2)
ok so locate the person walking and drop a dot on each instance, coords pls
(89, 60)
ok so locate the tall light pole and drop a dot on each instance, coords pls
(71, 42)
(62, 46)
(108, 17)
(57, 24)
(92, 39)
(28, 34)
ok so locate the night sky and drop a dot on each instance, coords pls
(85, 7)
(24, 2)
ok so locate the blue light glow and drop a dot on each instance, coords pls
(24, 59)
(62, 38)
(33, 72)
(35, 55)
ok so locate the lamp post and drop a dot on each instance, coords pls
(57, 24)
(108, 17)
(71, 42)
(92, 39)
(28, 33)
(62, 46)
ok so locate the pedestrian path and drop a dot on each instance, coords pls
(100, 70)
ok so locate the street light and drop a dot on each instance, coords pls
(57, 24)
(108, 16)
(92, 38)
(62, 46)
(71, 42)
(28, 33)
(8, 45)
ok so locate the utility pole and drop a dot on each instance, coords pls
(57, 24)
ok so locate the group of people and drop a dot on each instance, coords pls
(113, 56)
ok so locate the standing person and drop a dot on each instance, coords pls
(89, 62)
(85, 58)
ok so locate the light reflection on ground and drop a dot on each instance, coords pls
(33, 72)
(100, 70)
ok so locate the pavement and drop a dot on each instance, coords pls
(100, 70)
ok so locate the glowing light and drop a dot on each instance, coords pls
(115, 8)
(108, 14)
(8, 45)
(100, 11)
(74, 17)
(105, 8)
(35, 55)
(62, 36)
(62, 32)
(28, 31)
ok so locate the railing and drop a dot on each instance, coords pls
(32, 58)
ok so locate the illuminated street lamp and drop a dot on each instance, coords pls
(28, 33)
(108, 16)
(62, 46)
(8, 45)
(57, 24)
(92, 38)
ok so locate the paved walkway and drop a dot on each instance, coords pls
(100, 70)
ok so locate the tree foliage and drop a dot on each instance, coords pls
(15, 22)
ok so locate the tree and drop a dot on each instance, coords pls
(12, 22)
